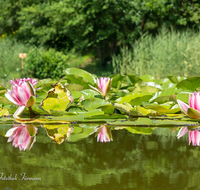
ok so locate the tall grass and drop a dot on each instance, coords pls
(169, 53)
(10, 63)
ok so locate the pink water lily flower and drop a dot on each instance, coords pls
(20, 136)
(104, 134)
(23, 94)
(103, 86)
(193, 109)
(194, 136)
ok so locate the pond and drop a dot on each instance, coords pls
(83, 132)
(134, 157)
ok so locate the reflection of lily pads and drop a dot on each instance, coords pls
(86, 130)
(148, 122)
(58, 133)
(140, 130)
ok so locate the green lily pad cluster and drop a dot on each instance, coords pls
(130, 98)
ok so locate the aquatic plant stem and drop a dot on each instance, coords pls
(31, 111)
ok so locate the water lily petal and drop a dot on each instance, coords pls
(10, 98)
(98, 90)
(10, 132)
(23, 95)
(182, 132)
(183, 106)
(19, 111)
(198, 101)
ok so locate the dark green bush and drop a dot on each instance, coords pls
(42, 64)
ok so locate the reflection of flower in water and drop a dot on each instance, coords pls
(104, 134)
(194, 136)
(23, 136)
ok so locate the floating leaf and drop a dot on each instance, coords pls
(150, 89)
(143, 111)
(191, 83)
(117, 80)
(79, 76)
(108, 109)
(139, 100)
(88, 93)
(125, 108)
(183, 97)
(3, 112)
(74, 87)
(173, 79)
(56, 99)
(92, 113)
(161, 108)
(131, 96)
(94, 103)
(147, 78)
(132, 79)
(76, 94)
(140, 130)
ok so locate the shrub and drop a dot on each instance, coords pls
(41, 63)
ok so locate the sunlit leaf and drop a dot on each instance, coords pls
(161, 108)
(88, 93)
(140, 130)
(94, 103)
(131, 96)
(56, 99)
(79, 76)
(74, 87)
(108, 109)
(3, 112)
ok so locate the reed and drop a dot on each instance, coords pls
(169, 53)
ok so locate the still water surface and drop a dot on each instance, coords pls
(158, 161)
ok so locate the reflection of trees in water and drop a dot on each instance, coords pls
(157, 161)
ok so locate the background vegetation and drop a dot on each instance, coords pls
(102, 30)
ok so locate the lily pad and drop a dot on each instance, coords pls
(191, 83)
(56, 99)
(79, 76)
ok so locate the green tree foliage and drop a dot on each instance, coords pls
(91, 25)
